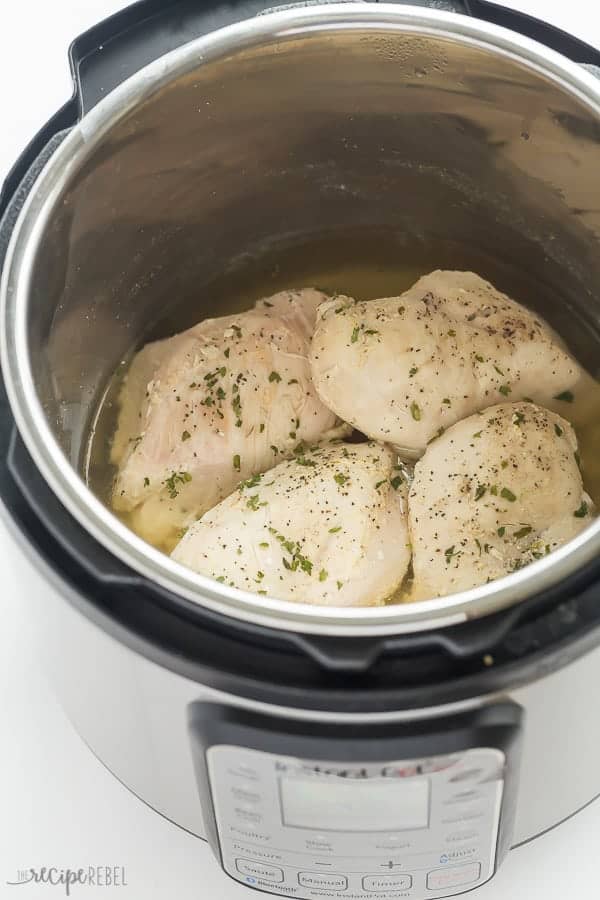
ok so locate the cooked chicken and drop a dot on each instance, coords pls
(495, 492)
(200, 411)
(403, 368)
(328, 527)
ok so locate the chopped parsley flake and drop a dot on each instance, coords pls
(264, 544)
(227, 351)
(565, 396)
(479, 358)
(501, 531)
(146, 481)
(479, 493)
(413, 371)
(505, 389)
(449, 553)
(415, 411)
(446, 401)
(518, 418)
(185, 435)
(323, 574)
(274, 376)
(236, 405)
(354, 337)
(558, 430)
(335, 529)
(582, 512)
(236, 462)
(379, 483)
(340, 584)
(499, 370)
(303, 461)
(173, 480)
(508, 494)
(523, 532)
(251, 482)
(477, 434)
(298, 558)
(340, 479)
(396, 482)
(262, 427)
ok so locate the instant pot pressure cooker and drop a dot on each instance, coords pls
(390, 752)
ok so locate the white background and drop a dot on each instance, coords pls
(58, 806)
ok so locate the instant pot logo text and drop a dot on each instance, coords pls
(67, 879)
(355, 772)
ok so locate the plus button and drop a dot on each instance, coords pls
(389, 865)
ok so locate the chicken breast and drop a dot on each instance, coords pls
(401, 369)
(495, 492)
(328, 527)
(221, 401)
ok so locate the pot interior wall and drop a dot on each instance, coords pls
(327, 135)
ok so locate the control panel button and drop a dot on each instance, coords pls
(250, 834)
(386, 882)
(463, 797)
(245, 772)
(318, 845)
(469, 815)
(248, 815)
(245, 795)
(467, 775)
(456, 837)
(323, 880)
(259, 870)
(454, 876)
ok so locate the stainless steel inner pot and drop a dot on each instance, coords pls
(323, 119)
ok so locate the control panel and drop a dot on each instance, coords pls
(414, 828)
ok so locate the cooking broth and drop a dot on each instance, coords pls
(364, 265)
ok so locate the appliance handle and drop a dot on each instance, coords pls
(467, 641)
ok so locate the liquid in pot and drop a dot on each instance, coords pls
(364, 266)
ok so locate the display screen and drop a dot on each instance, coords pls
(390, 804)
